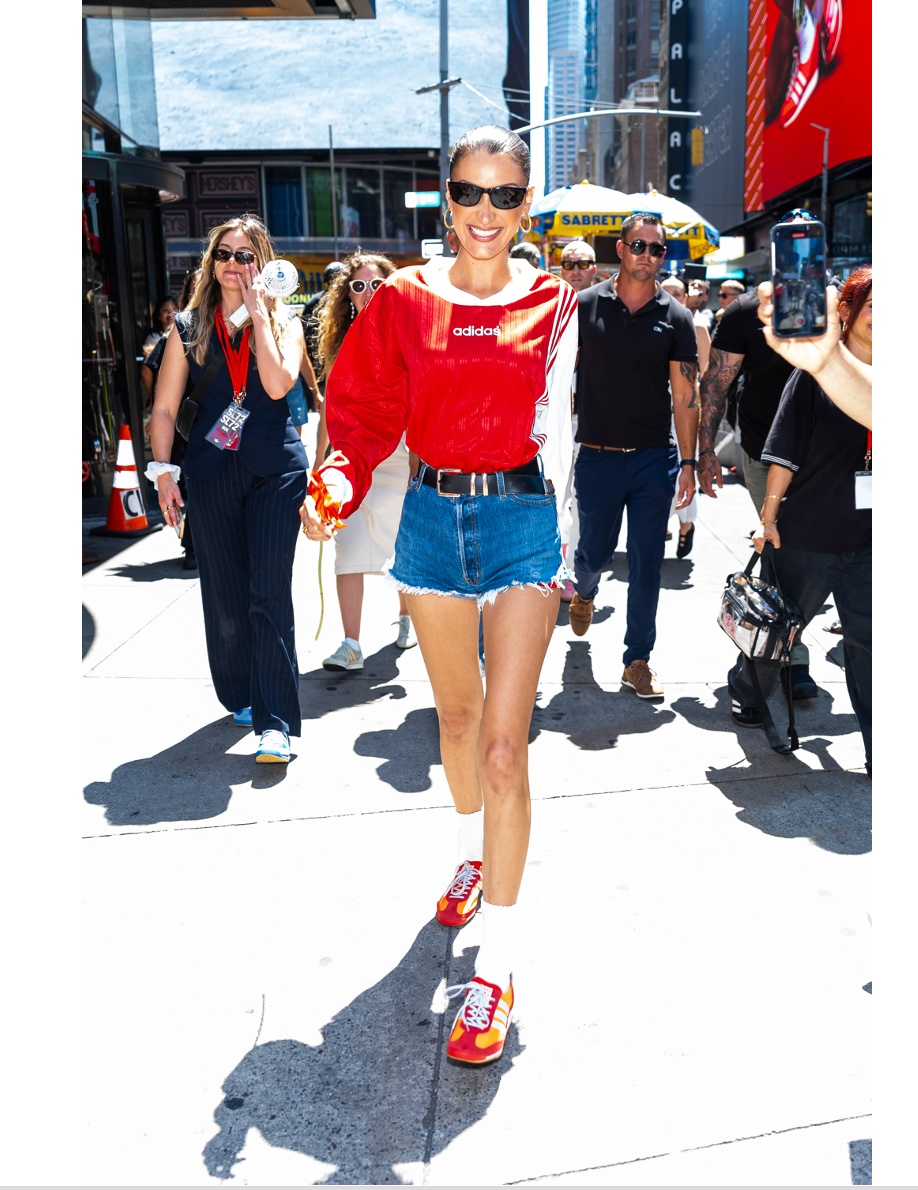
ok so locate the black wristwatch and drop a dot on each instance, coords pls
(687, 463)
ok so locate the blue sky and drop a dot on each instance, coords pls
(279, 84)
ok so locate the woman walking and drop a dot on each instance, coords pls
(368, 542)
(817, 516)
(245, 467)
(474, 359)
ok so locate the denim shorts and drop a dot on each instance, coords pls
(475, 547)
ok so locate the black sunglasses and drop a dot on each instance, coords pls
(577, 264)
(505, 198)
(359, 286)
(639, 247)
(224, 256)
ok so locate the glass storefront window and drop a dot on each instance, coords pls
(284, 192)
(361, 210)
(399, 221)
(318, 202)
(118, 80)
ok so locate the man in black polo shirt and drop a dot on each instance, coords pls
(636, 344)
(738, 342)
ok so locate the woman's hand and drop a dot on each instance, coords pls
(766, 533)
(809, 355)
(314, 528)
(169, 494)
(254, 295)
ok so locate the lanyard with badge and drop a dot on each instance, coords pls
(863, 480)
(227, 429)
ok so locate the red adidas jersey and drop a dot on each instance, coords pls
(478, 385)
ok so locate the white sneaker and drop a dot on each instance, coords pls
(344, 658)
(273, 749)
(406, 638)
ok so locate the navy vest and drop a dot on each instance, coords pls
(269, 446)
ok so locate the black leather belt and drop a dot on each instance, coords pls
(525, 480)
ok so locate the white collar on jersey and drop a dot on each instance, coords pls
(437, 278)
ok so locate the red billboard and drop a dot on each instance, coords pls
(809, 63)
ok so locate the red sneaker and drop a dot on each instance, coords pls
(480, 1028)
(804, 77)
(830, 33)
(459, 903)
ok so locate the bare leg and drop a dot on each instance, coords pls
(403, 604)
(447, 632)
(350, 602)
(517, 631)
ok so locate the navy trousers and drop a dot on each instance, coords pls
(809, 578)
(245, 531)
(607, 482)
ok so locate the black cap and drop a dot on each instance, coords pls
(332, 270)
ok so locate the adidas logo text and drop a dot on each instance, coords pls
(476, 330)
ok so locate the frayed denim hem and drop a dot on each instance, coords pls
(554, 584)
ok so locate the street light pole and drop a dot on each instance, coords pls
(825, 173)
(444, 116)
(333, 190)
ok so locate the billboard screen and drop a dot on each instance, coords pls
(809, 63)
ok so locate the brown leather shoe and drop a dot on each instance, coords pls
(639, 676)
(580, 612)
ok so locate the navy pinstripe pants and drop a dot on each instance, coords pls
(245, 532)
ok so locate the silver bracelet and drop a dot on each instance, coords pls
(155, 470)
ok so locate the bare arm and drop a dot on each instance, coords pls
(845, 380)
(309, 376)
(722, 370)
(703, 341)
(321, 439)
(170, 388)
(682, 376)
(778, 482)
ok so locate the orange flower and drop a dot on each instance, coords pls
(327, 508)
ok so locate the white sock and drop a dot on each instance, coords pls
(471, 836)
(355, 644)
(406, 618)
(497, 950)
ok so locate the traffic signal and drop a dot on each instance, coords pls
(697, 146)
(869, 204)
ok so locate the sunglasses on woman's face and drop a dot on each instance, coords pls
(505, 198)
(576, 264)
(639, 247)
(361, 286)
(224, 256)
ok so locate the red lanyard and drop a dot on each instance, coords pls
(236, 361)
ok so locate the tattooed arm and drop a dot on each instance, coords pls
(682, 376)
(720, 373)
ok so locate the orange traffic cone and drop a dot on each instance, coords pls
(126, 513)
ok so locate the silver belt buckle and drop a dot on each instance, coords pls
(448, 471)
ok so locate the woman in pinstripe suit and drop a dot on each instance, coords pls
(245, 488)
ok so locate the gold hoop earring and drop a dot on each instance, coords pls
(215, 274)
(529, 221)
(449, 212)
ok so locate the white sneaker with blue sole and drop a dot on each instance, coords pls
(274, 748)
(406, 638)
(243, 718)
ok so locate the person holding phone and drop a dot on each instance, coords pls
(738, 343)
(473, 359)
(817, 516)
(245, 468)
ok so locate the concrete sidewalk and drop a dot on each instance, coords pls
(261, 949)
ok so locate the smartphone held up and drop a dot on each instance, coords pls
(798, 278)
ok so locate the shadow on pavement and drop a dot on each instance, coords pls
(378, 1091)
(409, 750)
(189, 781)
(593, 718)
(151, 572)
(89, 630)
(600, 615)
(322, 691)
